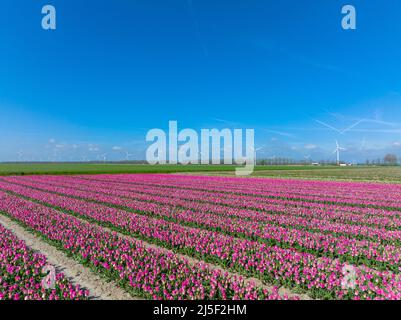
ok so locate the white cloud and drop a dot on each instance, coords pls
(117, 148)
(310, 146)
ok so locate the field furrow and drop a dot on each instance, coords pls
(23, 273)
(142, 272)
(300, 246)
(212, 202)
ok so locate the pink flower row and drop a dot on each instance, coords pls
(21, 274)
(369, 216)
(379, 234)
(344, 192)
(143, 271)
(350, 249)
(270, 263)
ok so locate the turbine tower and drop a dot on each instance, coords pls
(254, 154)
(20, 154)
(273, 160)
(102, 156)
(337, 150)
(127, 155)
(200, 154)
(181, 153)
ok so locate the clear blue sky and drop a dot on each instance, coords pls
(114, 69)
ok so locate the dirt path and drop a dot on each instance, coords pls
(193, 261)
(99, 288)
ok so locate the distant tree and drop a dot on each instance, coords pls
(390, 159)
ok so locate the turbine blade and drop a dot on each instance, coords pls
(328, 126)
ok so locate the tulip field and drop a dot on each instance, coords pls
(21, 274)
(163, 236)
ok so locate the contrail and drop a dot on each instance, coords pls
(280, 133)
(328, 126)
(225, 121)
(346, 129)
(352, 126)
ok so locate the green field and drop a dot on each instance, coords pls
(89, 168)
(92, 168)
(358, 173)
(96, 168)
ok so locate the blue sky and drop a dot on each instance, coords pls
(112, 70)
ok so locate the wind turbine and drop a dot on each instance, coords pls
(229, 150)
(363, 144)
(55, 155)
(102, 156)
(200, 156)
(273, 158)
(20, 154)
(254, 155)
(127, 155)
(337, 150)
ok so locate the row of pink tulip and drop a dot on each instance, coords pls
(199, 200)
(22, 274)
(148, 272)
(347, 190)
(354, 251)
(366, 215)
(357, 189)
(271, 263)
(330, 191)
(359, 232)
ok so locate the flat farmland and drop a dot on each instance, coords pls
(160, 236)
(387, 174)
(96, 168)
(362, 173)
(354, 173)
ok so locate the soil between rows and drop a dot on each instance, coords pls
(99, 288)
